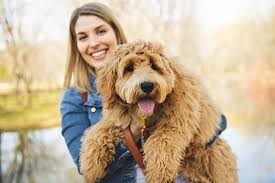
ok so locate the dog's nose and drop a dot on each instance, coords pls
(147, 87)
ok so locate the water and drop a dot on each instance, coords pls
(255, 154)
(53, 162)
(255, 151)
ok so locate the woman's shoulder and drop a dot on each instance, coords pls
(72, 91)
(72, 95)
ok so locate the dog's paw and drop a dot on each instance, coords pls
(157, 179)
(162, 160)
(92, 160)
(97, 151)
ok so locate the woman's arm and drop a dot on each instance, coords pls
(75, 121)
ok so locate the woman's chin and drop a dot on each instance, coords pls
(99, 65)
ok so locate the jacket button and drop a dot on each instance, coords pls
(93, 109)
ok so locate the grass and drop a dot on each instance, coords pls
(43, 113)
(4, 74)
(11, 101)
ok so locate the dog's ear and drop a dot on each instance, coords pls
(174, 65)
(169, 64)
(106, 79)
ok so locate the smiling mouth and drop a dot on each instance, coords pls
(99, 55)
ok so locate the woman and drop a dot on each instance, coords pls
(94, 33)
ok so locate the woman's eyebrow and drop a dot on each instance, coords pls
(79, 33)
(96, 28)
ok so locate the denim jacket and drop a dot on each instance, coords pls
(76, 118)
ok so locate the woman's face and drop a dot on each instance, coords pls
(95, 40)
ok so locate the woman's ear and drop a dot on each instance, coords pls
(106, 79)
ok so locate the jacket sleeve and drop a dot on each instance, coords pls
(74, 122)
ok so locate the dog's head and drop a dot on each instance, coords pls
(138, 74)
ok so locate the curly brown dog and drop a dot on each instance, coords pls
(140, 81)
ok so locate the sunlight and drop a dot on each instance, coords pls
(214, 13)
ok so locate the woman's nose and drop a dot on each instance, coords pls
(93, 42)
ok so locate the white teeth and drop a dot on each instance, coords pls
(99, 53)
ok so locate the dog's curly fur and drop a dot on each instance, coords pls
(186, 120)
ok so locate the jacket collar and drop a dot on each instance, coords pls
(93, 84)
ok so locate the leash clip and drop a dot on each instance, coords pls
(143, 122)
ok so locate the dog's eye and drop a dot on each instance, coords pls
(154, 66)
(129, 68)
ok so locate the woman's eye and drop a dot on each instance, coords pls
(82, 38)
(129, 68)
(103, 31)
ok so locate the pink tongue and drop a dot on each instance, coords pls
(146, 105)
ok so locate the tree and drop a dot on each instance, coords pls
(14, 37)
(244, 55)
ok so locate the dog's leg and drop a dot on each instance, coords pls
(163, 153)
(222, 163)
(98, 149)
(213, 164)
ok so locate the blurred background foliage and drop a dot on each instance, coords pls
(231, 48)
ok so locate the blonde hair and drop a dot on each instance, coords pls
(76, 67)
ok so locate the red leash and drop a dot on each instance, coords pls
(129, 140)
